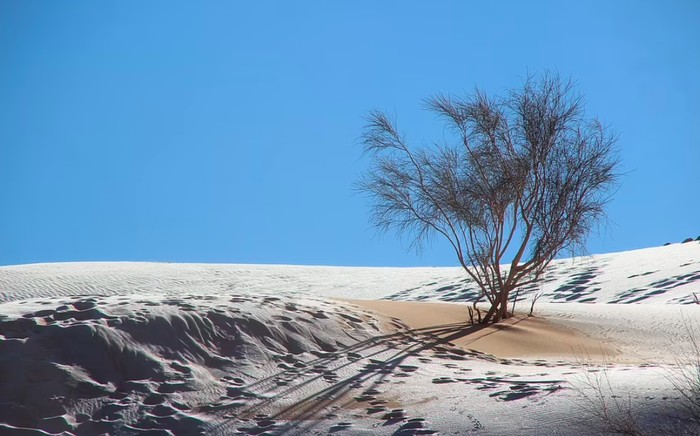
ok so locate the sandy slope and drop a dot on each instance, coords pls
(517, 337)
(125, 348)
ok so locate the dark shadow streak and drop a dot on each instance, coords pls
(301, 413)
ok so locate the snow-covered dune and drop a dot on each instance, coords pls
(653, 275)
(104, 364)
(127, 348)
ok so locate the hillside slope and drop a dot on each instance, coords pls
(127, 348)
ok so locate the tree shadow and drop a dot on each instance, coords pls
(303, 414)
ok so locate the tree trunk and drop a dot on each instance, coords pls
(499, 308)
(492, 310)
(503, 309)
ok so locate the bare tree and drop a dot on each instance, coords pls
(524, 177)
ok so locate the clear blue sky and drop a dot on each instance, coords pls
(224, 131)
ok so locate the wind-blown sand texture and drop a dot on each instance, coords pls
(129, 348)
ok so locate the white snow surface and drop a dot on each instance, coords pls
(127, 348)
(653, 275)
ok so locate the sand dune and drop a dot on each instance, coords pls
(153, 363)
(128, 348)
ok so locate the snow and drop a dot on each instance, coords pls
(121, 347)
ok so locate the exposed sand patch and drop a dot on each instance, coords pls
(517, 337)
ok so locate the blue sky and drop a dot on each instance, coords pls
(227, 131)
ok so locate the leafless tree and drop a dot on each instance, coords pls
(523, 177)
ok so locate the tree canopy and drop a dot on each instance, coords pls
(524, 177)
